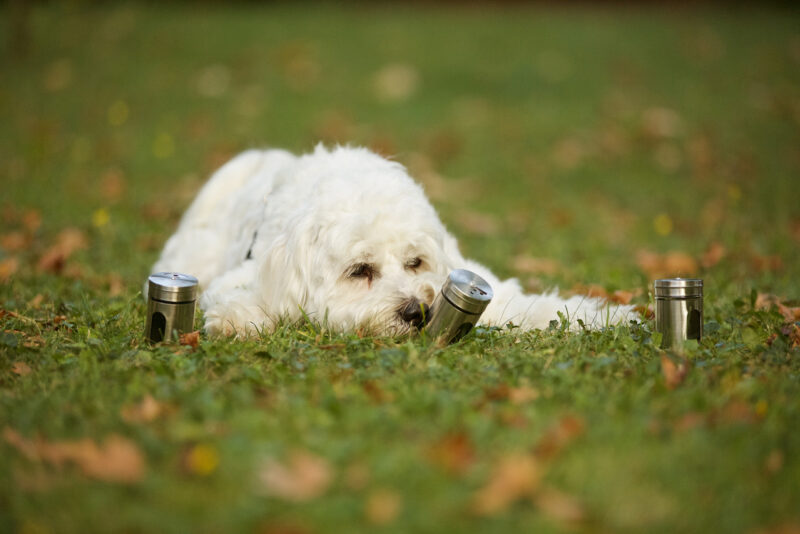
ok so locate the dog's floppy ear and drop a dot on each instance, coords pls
(282, 279)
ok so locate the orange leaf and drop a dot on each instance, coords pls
(514, 476)
(383, 506)
(21, 368)
(528, 264)
(714, 254)
(303, 477)
(8, 267)
(454, 453)
(67, 242)
(14, 241)
(144, 412)
(557, 437)
(117, 460)
(191, 339)
(673, 372)
(560, 507)
(671, 264)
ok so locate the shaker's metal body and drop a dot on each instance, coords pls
(170, 305)
(679, 310)
(457, 307)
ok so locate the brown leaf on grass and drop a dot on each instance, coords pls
(769, 263)
(31, 220)
(783, 528)
(396, 82)
(522, 394)
(558, 436)
(14, 241)
(766, 301)
(674, 370)
(145, 411)
(620, 296)
(794, 335)
(670, 264)
(304, 476)
(118, 459)
(116, 286)
(716, 251)
(112, 185)
(383, 506)
(736, 412)
(8, 267)
(377, 394)
(661, 123)
(513, 477)
(191, 339)
(559, 506)
(20, 368)
(454, 452)
(531, 265)
(357, 475)
(690, 421)
(67, 242)
(478, 223)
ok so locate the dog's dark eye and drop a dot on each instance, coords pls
(362, 270)
(414, 264)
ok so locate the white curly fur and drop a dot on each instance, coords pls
(273, 236)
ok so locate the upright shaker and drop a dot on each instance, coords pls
(170, 305)
(457, 307)
(679, 310)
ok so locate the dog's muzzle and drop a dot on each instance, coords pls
(414, 312)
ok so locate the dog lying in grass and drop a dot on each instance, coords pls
(342, 236)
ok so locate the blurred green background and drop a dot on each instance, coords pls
(567, 145)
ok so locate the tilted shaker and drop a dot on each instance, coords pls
(457, 307)
(170, 305)
(679, 310)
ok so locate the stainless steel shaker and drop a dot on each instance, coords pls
(679, 310)
(457, 307)
(170, 305)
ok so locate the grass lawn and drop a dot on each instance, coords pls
(565, 146)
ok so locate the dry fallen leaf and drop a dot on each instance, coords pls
(670, 264)
(454, 453)
(147, 410)
(557, 437)
(478, 223)
(67, 242)
(396, 82)
(304, 476)
(766, 301)
(8, 267)
(559, 506)
(383, 506)
(531, 265)
(522, 394)
(514, 476)
(716, 251)
(118, 459)
(21, 368)
(14, 241)
(376, 393)
(674, 371)
(192, 339)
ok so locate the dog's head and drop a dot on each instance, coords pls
(365, 249)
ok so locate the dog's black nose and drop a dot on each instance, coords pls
(414, 312)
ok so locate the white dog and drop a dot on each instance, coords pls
(342, 236)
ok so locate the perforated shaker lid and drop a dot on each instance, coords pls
(172, 287)
(467, 291)
(678, 287)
